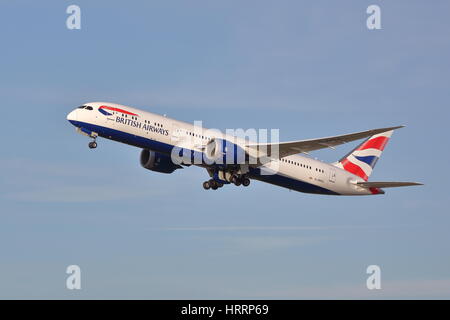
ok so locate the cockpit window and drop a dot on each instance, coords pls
(85, 107)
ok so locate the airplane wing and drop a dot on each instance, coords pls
(304, 146)
(389, 184)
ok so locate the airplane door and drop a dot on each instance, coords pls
(332, 177)
(175, 134)
(105, 119)
(109, 120)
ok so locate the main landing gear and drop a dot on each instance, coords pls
(212, 184)
(237, 180)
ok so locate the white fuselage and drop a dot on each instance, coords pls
(159, 133)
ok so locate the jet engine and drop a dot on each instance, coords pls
(158, 162)
(224, 152)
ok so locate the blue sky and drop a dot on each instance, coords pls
(309, 68)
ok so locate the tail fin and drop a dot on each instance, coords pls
(361, 160)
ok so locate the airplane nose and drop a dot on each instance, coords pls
(72, 116)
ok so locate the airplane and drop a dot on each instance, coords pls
(168, 145)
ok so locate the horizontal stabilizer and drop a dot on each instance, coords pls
(387, 184)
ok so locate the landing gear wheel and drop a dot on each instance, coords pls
(246, 182)
(237, 182)
(214, 184)
(206, 185)
(92, 145)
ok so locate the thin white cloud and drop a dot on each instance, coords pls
(266, 243)
(264, 228)
(34, 181)
(80, 194)
(244, 228)
(29, 166)
(412, 289)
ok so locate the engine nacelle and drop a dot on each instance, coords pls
(158, 162)
(224, 152)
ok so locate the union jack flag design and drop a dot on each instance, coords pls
(363, 158)
(104, 110)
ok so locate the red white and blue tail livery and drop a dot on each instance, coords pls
(361, 161)
(168, 145)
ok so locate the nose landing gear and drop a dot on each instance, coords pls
(91, 134)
